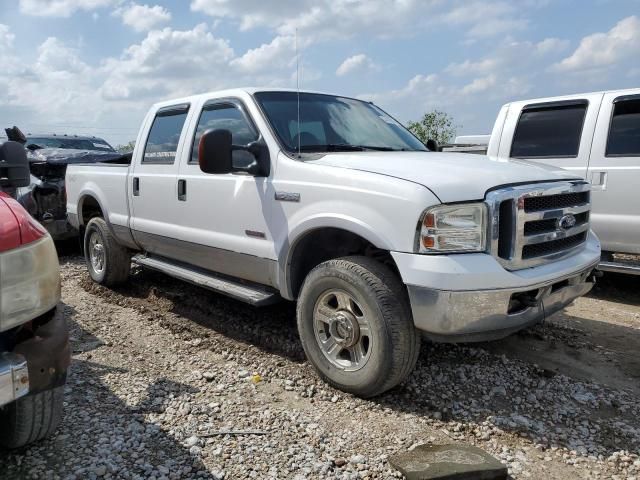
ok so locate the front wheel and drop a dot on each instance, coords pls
(355, 326)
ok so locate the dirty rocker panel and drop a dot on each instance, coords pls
(227, 262)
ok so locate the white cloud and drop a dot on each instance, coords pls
(605, 49)
(485, 19)
(60, 8)
(469, 67)
(510, 71)
(551, 45)
(6, 37)
(355, 64)
(168, 63)
(280, 52)
(54, 57)
(58, 84)
(480, 85)
(142, 18)
(324, 19)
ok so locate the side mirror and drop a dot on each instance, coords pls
(14, 165)
(214, 152)
(432, 145)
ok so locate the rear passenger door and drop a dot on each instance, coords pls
(556, 133)
(614, 172)
(152, 188)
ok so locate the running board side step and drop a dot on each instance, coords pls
(254, 294)
(618, 267)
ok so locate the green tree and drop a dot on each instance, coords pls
(434, 125)
(126, 148)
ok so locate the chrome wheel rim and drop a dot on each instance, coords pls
(96, 252)
(342, 330)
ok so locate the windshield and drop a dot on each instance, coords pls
(67, 143)
(329, 123)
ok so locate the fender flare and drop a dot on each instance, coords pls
(319, 222)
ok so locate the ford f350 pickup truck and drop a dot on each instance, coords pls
(328, 201)
(34, 343)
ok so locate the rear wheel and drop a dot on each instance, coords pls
(108, 262)
(356, 327)
(31, 418)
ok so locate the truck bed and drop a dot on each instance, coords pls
(106, 179)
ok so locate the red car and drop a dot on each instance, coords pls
(34, 341)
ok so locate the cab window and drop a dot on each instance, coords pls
(549, 130)
(162, 142)
(225, 116)
(624, 132)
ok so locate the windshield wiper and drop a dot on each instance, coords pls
(331, 147)
(346, 147)
(380, 149)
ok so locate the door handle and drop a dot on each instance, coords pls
(599, 180)
(136, 186)
(182, 190)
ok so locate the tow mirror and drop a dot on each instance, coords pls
(214, 152)
(14, 166)
(432, 145)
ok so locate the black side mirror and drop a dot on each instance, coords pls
(432, 145)
(261, 165)
(214, 152)
(14, 165)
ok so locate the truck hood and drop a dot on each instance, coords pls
(451, 177)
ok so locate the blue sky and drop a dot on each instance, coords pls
(95, 66)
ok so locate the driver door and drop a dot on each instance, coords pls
(223, 219)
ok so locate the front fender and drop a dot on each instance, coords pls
(317, 222)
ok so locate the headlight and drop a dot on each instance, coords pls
(29, 282)
(453, 228)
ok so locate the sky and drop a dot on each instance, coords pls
(94, 67)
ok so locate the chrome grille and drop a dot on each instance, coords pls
(536, 224)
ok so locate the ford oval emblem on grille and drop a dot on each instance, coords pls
(566, 222)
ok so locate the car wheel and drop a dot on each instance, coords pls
(31, 418)
(356, 327)
(108, 262)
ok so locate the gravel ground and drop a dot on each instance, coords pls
(171, 381)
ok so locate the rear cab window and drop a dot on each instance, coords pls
(164, 135)
(549, 130)
(624, 131)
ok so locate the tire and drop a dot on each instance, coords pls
(31, 418)
(375, 294)
(115, 260)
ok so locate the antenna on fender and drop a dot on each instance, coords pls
(298, 89)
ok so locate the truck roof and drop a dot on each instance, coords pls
(572, 96)
(233, 92)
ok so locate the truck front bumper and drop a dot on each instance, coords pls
(486, 301)
(475, 316)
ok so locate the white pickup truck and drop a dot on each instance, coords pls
(595, 136)
(327, 200)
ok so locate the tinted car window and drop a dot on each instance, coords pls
(549, 131)
(227, 117)
(164, 136)
(624, 133)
